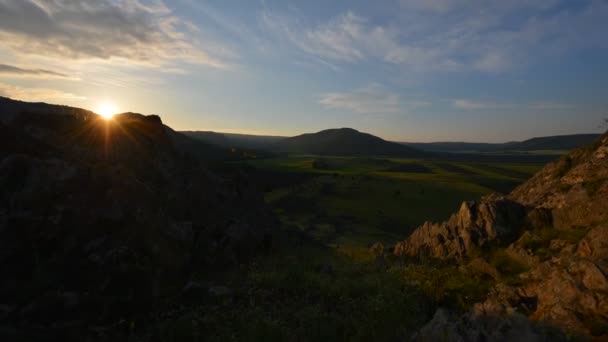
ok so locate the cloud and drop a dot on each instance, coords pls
(549, 105)
(9, 70)
(37, 94)
(146, 33)
(473, 105)
(351, 38)
(478, 105)
(373, 99)
(448, 35)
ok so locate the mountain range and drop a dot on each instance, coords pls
(335, 141)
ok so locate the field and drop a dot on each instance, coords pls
(351, 202)
(321, 282)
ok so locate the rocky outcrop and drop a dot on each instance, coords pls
(565, 286)
(493, 219)
(570, 290)
(574, 188)
(449, 327)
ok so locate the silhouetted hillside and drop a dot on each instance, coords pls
(105, 222)
(344, 142)
(246, 141)
(558, 142)
(551, 143)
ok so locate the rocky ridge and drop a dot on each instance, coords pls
(555, 225)
(105, 223)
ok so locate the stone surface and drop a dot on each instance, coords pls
(493, 219)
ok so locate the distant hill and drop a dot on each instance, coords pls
(454, 146)
(551, 143)
(344, 142)
(249, 141)
(558, 142)
(51, 117)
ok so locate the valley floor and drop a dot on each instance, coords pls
(322, 281)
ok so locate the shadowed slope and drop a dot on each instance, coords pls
(344, 142)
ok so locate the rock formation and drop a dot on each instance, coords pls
(493, 219)
(566, 287)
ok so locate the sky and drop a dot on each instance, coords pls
(405, 70)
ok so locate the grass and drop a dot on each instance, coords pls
(446, 285)
(305, 291)
(321, 283)
(355, 201)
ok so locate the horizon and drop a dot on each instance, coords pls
(406, 71)
(328, 128)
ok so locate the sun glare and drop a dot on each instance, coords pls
(106, 110)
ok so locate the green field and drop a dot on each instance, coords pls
(352, 202)
(321, 282)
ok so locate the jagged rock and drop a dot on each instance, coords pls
(573, 188)
(446, 326)
(569, 290)
(494, 219)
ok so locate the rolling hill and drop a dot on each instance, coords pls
(344, 142)
(247, 141)
(53, 116)
(550, 143)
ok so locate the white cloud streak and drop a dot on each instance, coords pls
(10, 70)
(146, 33)
(466, 104)
(448, 35)
(37, 94)
(373, 99)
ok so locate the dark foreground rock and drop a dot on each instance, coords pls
(105, 223)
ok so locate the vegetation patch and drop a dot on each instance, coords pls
(446, 285)
(409, 168)
(453, 168)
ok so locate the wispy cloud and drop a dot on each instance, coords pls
(146, 33)
(10, 70)
(472, 104)
(550, 105)
(373, 99)
(351, 38)
(467, 104)
(37, 94)
(447, 35)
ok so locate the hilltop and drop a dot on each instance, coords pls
(344, 142)
(549, 143)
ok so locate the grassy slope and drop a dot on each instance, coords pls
(353, 202)
(321, 283)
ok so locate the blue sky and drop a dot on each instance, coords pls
(408, 70)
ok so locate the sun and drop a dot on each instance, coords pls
(106, 110)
